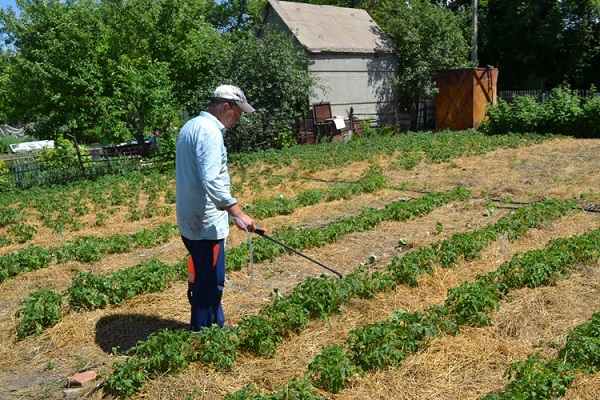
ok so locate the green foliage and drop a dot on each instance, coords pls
(294, 389)
(5, 177)
(535, 268)
(28, 259)
(62, 154)
(41, 309)
(286, 317)
(106, 69)
(22, 232)
(539, 45)
(564, 113)
(331, 369)
(84, 249)
(472, 302)
(386, 343)
(590, 118)
(218, 346)
(271, 71)
(163, 351)
(582, 349)
(89, 291)
(319, 296)
(524, 114)
(258, 335)
(535, 379)
(372, 180)
(127, 378)
(5, 143)
(417, 25)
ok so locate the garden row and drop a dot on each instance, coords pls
(62, 207)
(42, 308)
(88, 249)
(314, 298)
(84, 249)
(387, 343)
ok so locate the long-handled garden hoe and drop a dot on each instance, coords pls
(262, 232)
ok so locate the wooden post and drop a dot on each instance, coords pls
(78, 155)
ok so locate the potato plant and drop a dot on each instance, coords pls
(319, 298)
(469, 304)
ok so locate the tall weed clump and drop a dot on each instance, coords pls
(564, 113)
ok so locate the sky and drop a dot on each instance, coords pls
(5, 3)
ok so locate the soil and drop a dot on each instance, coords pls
(466, 366)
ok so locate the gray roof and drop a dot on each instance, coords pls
(332, 29)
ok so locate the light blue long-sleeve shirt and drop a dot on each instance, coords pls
(203, 186)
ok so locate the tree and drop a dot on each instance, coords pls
(54, 74)
(579, 60)
(111, 69)
(4, 82)
(272, 72)
(428, 38)
(540, 44)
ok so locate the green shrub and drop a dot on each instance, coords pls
(521, 116)
(561, 112)
(564, 113)
(590, 118)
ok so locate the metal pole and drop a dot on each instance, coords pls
(261, 232)
(475, 34)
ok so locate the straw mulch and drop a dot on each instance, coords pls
(464, 366)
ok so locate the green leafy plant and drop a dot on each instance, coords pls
(217, 346)
(165, 350)
(331, 369)
(258, 335)
(22, 232)
(41, 310)
(534, 379)
(582, 349)
(295, 388)
(472, 302)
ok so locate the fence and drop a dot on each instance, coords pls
(25, 171)
(540, 95)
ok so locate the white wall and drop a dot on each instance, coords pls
(355, 80)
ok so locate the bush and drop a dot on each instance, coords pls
(522, 115)
(564, 113)
(590, 118)
(561, 112)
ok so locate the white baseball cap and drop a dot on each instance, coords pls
(230, 92)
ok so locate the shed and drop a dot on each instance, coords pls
(347, 51)
(463, 95)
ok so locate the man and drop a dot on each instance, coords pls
(204, 201)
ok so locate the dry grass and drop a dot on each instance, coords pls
(464, 366)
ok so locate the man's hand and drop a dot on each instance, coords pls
(242, 221)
